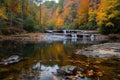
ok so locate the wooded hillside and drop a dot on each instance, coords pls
(28, 15)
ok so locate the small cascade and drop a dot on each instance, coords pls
(65, 32)
(92, 37)
(74, 35)
(84, 35)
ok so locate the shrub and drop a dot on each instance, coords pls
(89, 26)
(69, 26)
(106, 30)
(38, 28)
(29, 24)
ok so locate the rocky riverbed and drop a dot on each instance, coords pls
(105, 50)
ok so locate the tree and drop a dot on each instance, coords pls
(93, 7)
(83, 12)
(108, 16)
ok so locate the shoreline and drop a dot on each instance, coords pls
(106, 50)
(23, 37)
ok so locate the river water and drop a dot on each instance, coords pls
(42, 59)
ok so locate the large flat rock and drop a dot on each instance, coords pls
(102, 50)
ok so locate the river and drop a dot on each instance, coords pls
(42, 59)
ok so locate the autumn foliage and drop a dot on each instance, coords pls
(102, 15)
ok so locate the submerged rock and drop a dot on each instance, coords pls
(72, 73)
(69, 70)
(11, 59)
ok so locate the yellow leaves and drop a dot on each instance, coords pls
(59, 22)
(116, 12)
(19, 8)
(91, 12)
(111, 16)
(91, 15)
(109, 24)
(57, 11)
(106, 12)
(2, 13)
(102, 16)
(100, 23)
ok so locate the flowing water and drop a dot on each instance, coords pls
(42, 59)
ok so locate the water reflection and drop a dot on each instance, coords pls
(41, 59)
(39, 72)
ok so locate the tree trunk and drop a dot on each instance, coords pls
(31, 1)
(23, 11)
(40, 14)
(11, 20)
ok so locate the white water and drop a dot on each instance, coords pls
(51, 38)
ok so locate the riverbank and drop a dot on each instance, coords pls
(105, 50)
(23, 37)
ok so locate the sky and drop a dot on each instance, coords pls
(54, 0)
(46, 0)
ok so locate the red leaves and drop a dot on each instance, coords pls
(13, 7)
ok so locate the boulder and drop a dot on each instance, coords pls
(69, 70)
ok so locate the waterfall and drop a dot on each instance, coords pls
(92, 37)
(64, 32)
(84, 37)
(74, 35)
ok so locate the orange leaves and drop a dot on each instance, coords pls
(109, 24)
(84, 6)
(59, 22)
(57, 18)
(83, 11)
(65, 14)
(13, 7)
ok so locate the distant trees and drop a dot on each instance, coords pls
(17, 13)
(103, 15)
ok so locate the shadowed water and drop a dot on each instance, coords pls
(41, 59)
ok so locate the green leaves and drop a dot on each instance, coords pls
(29, 24)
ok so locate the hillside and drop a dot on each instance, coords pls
(28, 15)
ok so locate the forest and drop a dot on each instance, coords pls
(21, 16)
(64, 40)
